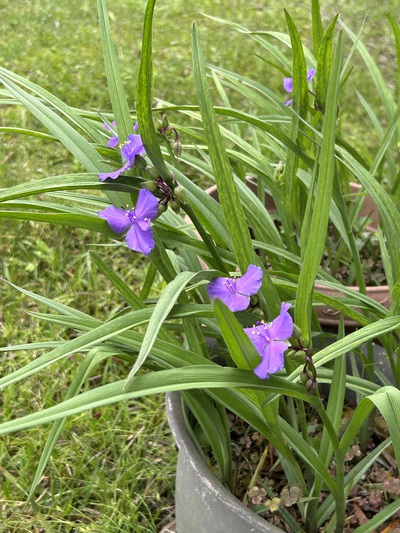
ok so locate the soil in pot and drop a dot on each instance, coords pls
(379, 487)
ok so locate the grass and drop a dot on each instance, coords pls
(112, 470)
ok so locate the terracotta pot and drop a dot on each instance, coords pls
(328, 316)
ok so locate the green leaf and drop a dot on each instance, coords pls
(324, 65)
(164, 305)
(240, 347)
(145, 98)
(195, 377)
(116, 90)
(396, 32)
(387, 401)
(228, 195)
(65, 183)
(318, 30)
(313, 243)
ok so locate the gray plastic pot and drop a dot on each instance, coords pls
(202, 503)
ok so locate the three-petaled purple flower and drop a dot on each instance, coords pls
(269, 340)
(288, 83)
(132, 147)
(140, 237)
(236, 292)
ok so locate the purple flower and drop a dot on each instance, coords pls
(112, 143)
(269, 339)
(140, 237)
(288, 83)
(132, 147)
(235, 293)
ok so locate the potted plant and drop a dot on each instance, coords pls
(255, 300)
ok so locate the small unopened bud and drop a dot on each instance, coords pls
(140, 162)
(254, 300)
(311, 386)
(165, 122)
(279, 170)
(152, 173)
(304, 377)
(300, 356)
(180, 194)
(161, 209)
(177, 148)
(297, 333)
(175, 205)
(291, 354)
(150, 185)
(158, 125)
(257, 312)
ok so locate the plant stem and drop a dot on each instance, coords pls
(340, 494)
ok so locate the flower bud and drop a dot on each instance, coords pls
(165, 122)
(158, 125)
(257, 312)
(175, 205)
(254, 300)
(180, 194)
(279, 171)
(150, 185)
(140, 162)
(304, 377)
(312, 386)
(161, 209)
(291, 354)
(177, 148)
(297, 333)
(300, 356)
(152, 173)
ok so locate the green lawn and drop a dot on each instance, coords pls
(112, 470)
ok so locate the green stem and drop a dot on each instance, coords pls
(340, 497)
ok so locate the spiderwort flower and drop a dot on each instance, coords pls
(112, 143)
(269, 339)
(288, 83)
(132, 147)
(140, 237)
(235, 293)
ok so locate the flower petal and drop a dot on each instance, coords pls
(288, 84)
(139, 240)
(281, 328)
(117, 219)
(131, 148)
(146, 205)
(113, 142)
(250, 282)
(272, 361)
(259, 337)
(224, 289)
(113, 175)
(311, 74)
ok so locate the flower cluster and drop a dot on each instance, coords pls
(268, 339)
(140, 236)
